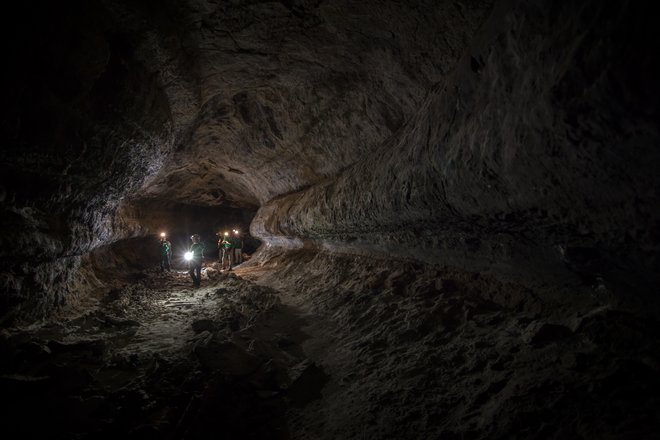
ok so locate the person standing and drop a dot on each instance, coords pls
(195, 263)
(227, 252)
(165, 254)
(221, 248)
(238, 247)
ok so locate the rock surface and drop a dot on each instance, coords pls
(510, 161)
(413, 350)
(457, 200)
(101, 376)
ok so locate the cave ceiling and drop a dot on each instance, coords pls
(265, 98)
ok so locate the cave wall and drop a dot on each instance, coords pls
(85, 124)
(515, 137)
(114, 103)
(408, 160)
(537, 154)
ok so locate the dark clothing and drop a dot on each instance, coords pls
(165, 255)
(238, 256)
(236, 242)
(197, 250)
(165, 247)
(195, 265)
(165, 262)
(238, 250)
(195, 272)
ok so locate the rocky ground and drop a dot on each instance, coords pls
(158, 359)
(349, 348)
(425, 351)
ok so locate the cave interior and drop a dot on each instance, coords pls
(450, 213)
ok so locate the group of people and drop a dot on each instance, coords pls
(230, 249)
(230, 253)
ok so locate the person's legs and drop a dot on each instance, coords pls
(225, 258)
(198, 274)
(231, 257)
(195, 272)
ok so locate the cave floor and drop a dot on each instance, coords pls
(408, 351)
(160, 358)
(346, 348)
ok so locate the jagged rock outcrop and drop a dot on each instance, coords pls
(227, 104)
(458, 202)
(512, 161)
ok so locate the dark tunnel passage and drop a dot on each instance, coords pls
(117, 263)
(447, 214)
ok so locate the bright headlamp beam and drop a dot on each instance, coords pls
(188, 256)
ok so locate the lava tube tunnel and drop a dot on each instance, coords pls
(329, 220)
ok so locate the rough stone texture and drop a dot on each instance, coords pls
(226, 104)
(84, 125)
(413, 350)
(461, 198)
(541, 145)
(104, 375)
(292, 92)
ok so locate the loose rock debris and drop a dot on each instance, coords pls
(449, 354)
(158, 359)
(316, 346)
